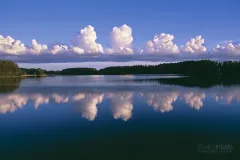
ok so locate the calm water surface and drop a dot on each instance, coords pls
(117, 117)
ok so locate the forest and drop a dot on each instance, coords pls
(201, 69)
(32, 71)
(9, 69)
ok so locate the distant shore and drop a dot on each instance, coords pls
(203, 69)
(32, 75)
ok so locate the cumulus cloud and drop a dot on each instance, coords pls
(195, 46)
(162, 44)
(121, 40)
(77, 50)
(9, 45)
(121, 104)
(59, 49)
(230, 48)
(84, 48)
(86, 40)
(37, 48)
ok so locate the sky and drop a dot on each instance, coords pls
(82, 32)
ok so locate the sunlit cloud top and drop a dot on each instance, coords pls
(85, 47)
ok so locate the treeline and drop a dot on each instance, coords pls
(199, 69)
(68, 71)
(79, 71)
(189, 68)
(33, 71)
(203, 68)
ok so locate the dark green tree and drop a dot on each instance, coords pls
(9, 68)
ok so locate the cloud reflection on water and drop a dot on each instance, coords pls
(86, 104)
(122, 102)
(161, 101)
(194, 99)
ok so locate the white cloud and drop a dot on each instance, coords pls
(59, 49)
(84, 45)
(119, 51)
(121, 40)
(77, 50)
(195, 46)
(86, 40)
(11, 46)
(230, 48)
(162, 44)
(37, 48)
(109, 51)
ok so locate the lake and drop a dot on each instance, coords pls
(117, 117)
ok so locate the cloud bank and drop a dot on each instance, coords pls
(85, 48)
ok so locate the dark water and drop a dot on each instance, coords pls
(117, 117)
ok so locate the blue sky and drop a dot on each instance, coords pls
(51, 22)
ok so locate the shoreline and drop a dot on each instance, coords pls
(45, 75)
(33, 75)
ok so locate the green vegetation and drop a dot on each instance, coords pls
(204, 69)
(68, 71)
(79, 71)
(9, 69)
(199, 69)
(188, 68)
(32, 72)
(204, 73)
